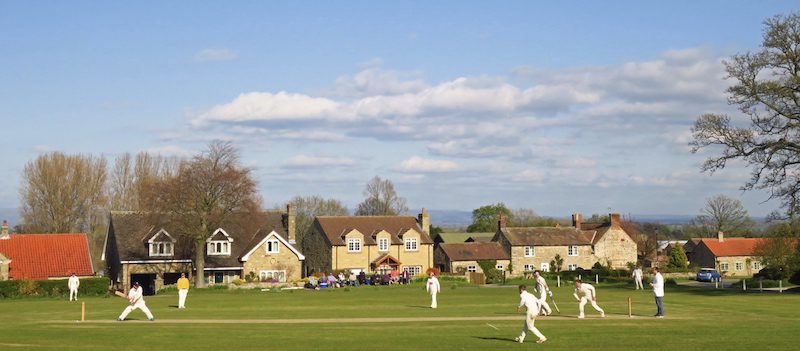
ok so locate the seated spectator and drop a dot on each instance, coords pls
(332, 281)
(362, 278)
(376, 279)
(341, 279)
(312, 280)
(386, 279)
(394, 277)
(323, 280)
(352, 279)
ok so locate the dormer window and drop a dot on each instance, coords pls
(219, 243)
(161, 244)
(273, 246)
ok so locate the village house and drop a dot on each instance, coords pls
(464, 257)
(730, 256)
(532, 248)
(153, 250)
(612, 245)
(43, 256)
(370, 244)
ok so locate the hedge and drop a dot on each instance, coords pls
(19, 288)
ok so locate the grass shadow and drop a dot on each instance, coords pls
(494, 338)
(418, 306)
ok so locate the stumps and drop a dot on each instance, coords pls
(558, 281)
(83, 311)
(596, 279)
(744, 284)
(780, 286)
(630, 308)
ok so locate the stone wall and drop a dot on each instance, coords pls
(616, 248)
(455, 266)
(283, 260)
(545, 254)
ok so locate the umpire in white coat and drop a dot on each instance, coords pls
(433, 288)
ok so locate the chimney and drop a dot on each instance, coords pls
(502, 222)
(290, 224)
(424, 220)
(721, 236)
(614, 220)
(4, 233)
(577, 219)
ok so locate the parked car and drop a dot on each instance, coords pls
(708, 275)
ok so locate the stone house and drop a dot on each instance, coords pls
(43, 256)
(369, 243)
(153, 250)
(730, 256)
(612, 245)
(532, 248)
(464, 257)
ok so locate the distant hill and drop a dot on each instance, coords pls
(461, 219)
(11, 214)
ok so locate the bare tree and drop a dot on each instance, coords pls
(526, 217)
(767, 90)
(723, 214)
(130, 177)
(308, 207)
(381, 199)
(61, 193)
(202, 194)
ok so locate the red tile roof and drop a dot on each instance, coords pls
(43, 256)
(732, 246)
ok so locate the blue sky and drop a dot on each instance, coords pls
(558, 107)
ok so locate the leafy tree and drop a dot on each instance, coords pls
(526, 217)
(677, 258)
(766, 90)
(489, 267)
(484, 218)
(779, 254)
(723, 214)
(381, 199)
(557, 263)
(308, 207)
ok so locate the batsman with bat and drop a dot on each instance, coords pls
(136, 300)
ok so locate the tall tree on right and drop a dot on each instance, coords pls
(766, 90)
(381, 199)
(723, 214)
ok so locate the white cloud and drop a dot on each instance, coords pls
(171, 151)
(425, 165)
(216, 54)
(306, 161)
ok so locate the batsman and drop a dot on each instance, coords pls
(136, 300)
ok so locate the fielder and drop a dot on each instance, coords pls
(137, 301)
(183, 290)
(543, 289)
(532, 304)
(588, 294)
(433, 288)
(637, 278)
(73, 285)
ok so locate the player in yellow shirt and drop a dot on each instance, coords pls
(183, 290)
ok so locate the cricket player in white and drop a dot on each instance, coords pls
(637, 278)
(532, 304)
(433, 288)
(587, 294)
(543, 289)
(137, 301)
(73, 285)
(658, 291)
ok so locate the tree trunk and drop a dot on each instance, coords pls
(200, 262)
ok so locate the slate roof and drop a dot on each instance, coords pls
(474, 251)
(462, 237)
(132, 230)
(545, 236)
(43, 256)
(335, 227)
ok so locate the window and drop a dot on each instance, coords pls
(756, 266)
(353, 245)
(161, 249)
(411, 244)
(530, 251)
(528, 268)
(215, 248)
(572, 250)
(272, 276)
(572, 266)
(739, 266)
(472, 269)
(383, 244)
(273, 246)
(723, 266)
(545, 267)
(413, 270)
(499, 267)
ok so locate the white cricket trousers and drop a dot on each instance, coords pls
(638, 283)
(73, 294)
(584, 300)
(433, 299)
(530, 317)
(543, 302)
(140, 305)
(182, 297)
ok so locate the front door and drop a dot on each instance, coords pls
(545, 267)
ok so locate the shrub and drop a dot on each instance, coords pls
(238, 282)
(670, 281)
(493, 275)
(19, 288)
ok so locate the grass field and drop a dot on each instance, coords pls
(396, 318)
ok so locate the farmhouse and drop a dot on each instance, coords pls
(732, 256)
(464, 257)
(370, 243)
(43, 256)
(153, 250)
(612, 245)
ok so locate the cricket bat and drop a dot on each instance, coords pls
(120, 294)
(554, 304)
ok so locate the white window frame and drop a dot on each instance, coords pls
(472, 269)
(412, 244)
(218, 248)
(499, 266)
(572, 250)
(281, 274)
(572, 266)
(272, 246)
(545, 267)
(756, 266)
(528, 268)
(413, 270)
(530, 251)
(162, 249)
(383, 244)
(739, 266)
(353, 245)
(724, 266)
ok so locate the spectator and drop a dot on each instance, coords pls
(332, 281)
(323, 281)
(353, 280)
(405, 277)
(362, 278)
(395, 276)
(376, 278)
(342, 279)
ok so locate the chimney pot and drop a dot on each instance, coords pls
(615, 222)
(4, 232)
(502, 222)
(577, 220)
(720, 236)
